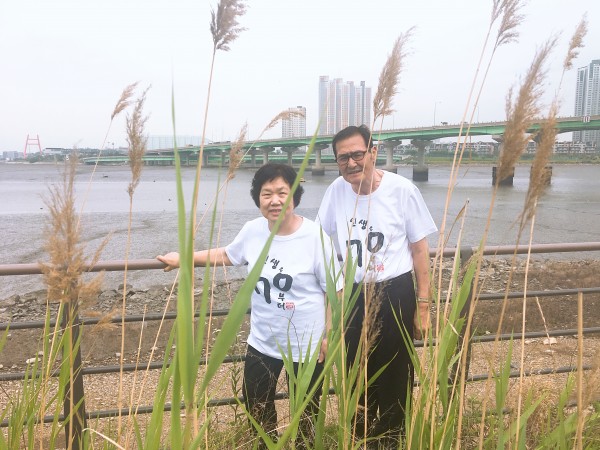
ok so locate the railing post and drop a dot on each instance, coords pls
(74, 394)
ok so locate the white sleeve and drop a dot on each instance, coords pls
(236, 251)
(326, 215)
(419, 224)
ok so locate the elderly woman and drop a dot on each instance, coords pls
(288, 302)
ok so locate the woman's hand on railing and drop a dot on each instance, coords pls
(170, 259)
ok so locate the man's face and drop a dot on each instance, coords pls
(354, 172)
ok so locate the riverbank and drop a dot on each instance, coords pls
(443, 159)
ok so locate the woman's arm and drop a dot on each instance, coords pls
(216, 257)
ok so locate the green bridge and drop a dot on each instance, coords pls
(283, 149)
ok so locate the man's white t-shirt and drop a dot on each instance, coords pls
(378, 227)
(289, 298)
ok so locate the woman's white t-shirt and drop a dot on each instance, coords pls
(289, 298)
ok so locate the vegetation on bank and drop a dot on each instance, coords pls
(407, 158)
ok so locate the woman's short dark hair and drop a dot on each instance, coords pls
(350, 131)
(269, 172)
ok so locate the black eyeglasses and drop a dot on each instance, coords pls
(358, 155)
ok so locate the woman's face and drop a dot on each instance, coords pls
(273, 195)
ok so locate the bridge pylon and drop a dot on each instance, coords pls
(420, 170)
(35, 141)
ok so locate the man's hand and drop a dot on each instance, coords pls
(170, 259)
(422, 320)
(323, 350)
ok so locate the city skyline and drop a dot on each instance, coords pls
(587, 99)
(342, 104)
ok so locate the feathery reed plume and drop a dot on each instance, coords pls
(575, 43)
(136, 141)
(521, 113)
(389, 76)
(224, 26)
(67, 262)
(496, 10)
(539, 175)
(511, 19)
(124, 101)
(236, 153)
(283, 115)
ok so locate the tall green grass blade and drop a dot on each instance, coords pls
(185, 311)
(176, 433)
(203, 309)
(154, 430)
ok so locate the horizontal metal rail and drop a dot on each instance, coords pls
(230, 401)
(532, 294)
(153, 264)
(32, 324)
(157, 365)
(24, 325)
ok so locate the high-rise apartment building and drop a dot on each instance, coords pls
(295, 124)
(587, 99)
(342, 104)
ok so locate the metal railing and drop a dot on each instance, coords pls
(119, 265)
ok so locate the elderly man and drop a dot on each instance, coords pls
(379, 222)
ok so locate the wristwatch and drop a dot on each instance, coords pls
(422, 300)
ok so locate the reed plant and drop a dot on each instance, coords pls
(136, 140)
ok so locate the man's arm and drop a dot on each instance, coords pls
(323, 350)
(420, 255)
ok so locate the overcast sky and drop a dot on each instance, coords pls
(65, 63)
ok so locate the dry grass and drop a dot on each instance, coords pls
(521, 113)
(539, 176)
(575, 43)
(283, 115)
(136, 140)
(388, 78)
(236, 152)
(62, 274)
(124, 100)
(510, 20)
(224, 25)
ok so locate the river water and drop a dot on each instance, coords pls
(568, 212)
